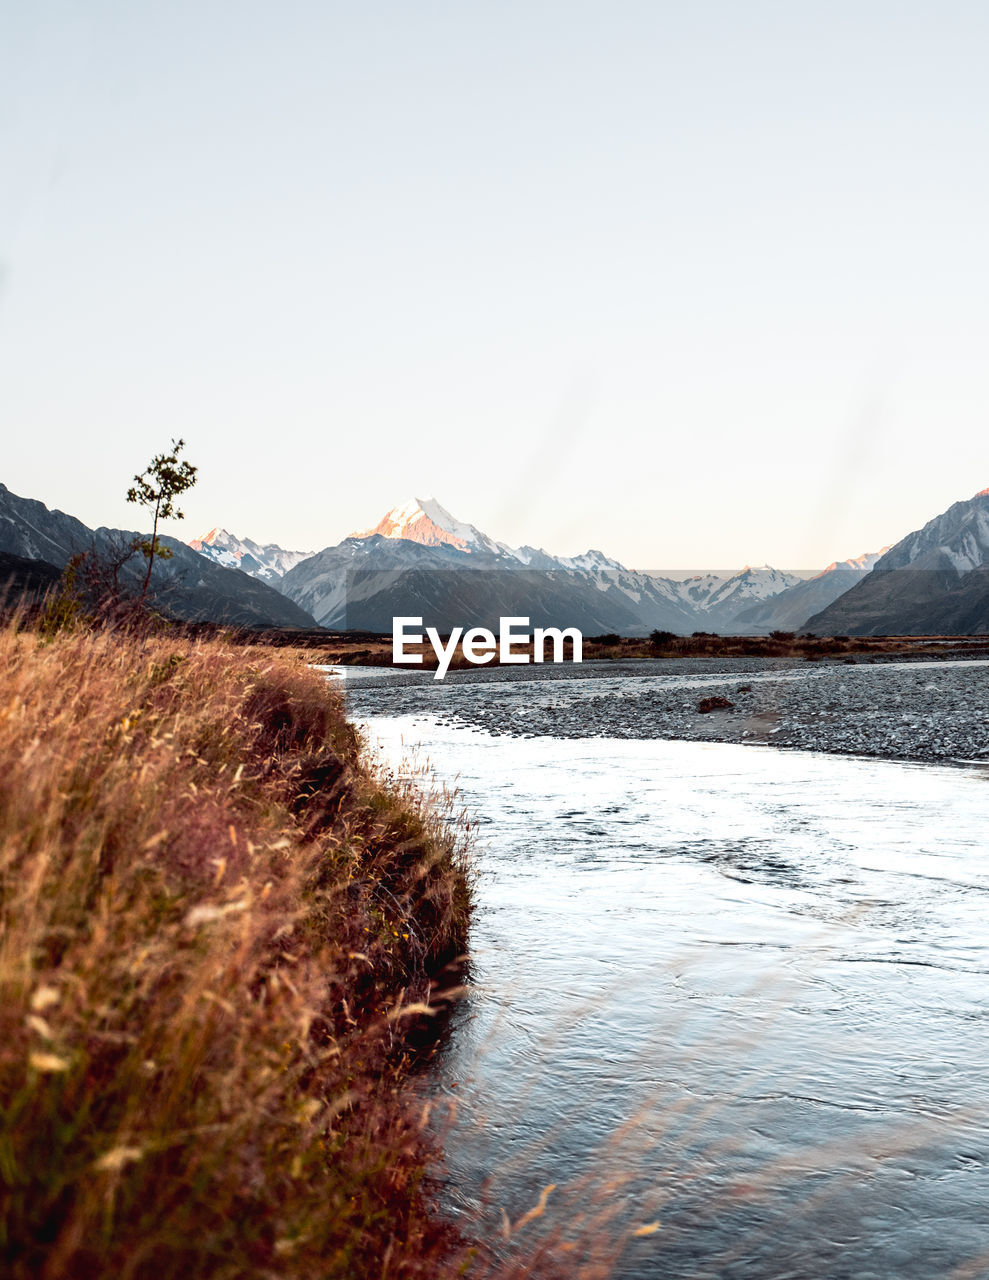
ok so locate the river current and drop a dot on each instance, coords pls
(733, 998)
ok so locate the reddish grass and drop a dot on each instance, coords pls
(212, 915)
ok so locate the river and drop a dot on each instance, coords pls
(732, 997)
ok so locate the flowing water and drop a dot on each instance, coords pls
(738, 992)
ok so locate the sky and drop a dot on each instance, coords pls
(696, 284)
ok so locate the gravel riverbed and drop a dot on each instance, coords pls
(913, 710)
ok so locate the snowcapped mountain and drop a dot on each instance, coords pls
(719, 600)
(421, 559)
(268, 562)
(363, 583)
(759, 583)
(790, 609)
(424, 521)
(357, 582)
(934, 581)
(956, 541)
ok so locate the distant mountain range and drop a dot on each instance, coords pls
(451, 574)
(268, 563)
(420, 553)
(421, 560)
(190, 585)
(790, 609)
(420, 557)
(456, 574)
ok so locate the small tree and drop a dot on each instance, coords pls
(156, 488)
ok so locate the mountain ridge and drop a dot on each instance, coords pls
(602, 591)
(791, 609)
(933, 581)
(267, 562)
(947, 590)
(198, 589)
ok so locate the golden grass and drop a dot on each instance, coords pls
(212, 915)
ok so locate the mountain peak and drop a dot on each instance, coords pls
(862, 563)
(425, 521)
(217, 535)
(267, 562)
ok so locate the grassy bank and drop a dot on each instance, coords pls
(213, 919)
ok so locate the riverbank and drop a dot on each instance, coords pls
(917, 710)
(218, 924)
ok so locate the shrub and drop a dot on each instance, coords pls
(714, 704)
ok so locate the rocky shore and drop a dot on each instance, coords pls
(933, 711)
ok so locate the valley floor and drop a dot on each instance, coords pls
(921, 710)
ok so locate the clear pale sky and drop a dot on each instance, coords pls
(695, 283)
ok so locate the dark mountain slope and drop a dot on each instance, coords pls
(25, 580)
(187, 586)
(932, 582)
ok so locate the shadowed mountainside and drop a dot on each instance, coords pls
(188, 586)
(933, 581)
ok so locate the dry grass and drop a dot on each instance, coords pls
(364, 649)
(785, 644)
(212, 916)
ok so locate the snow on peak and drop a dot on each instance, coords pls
(958, 537)
(208, 539)
(595, 561)
(423, 520)
(267, 562)
(427, 522)
(863, 563)
(710, 592)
